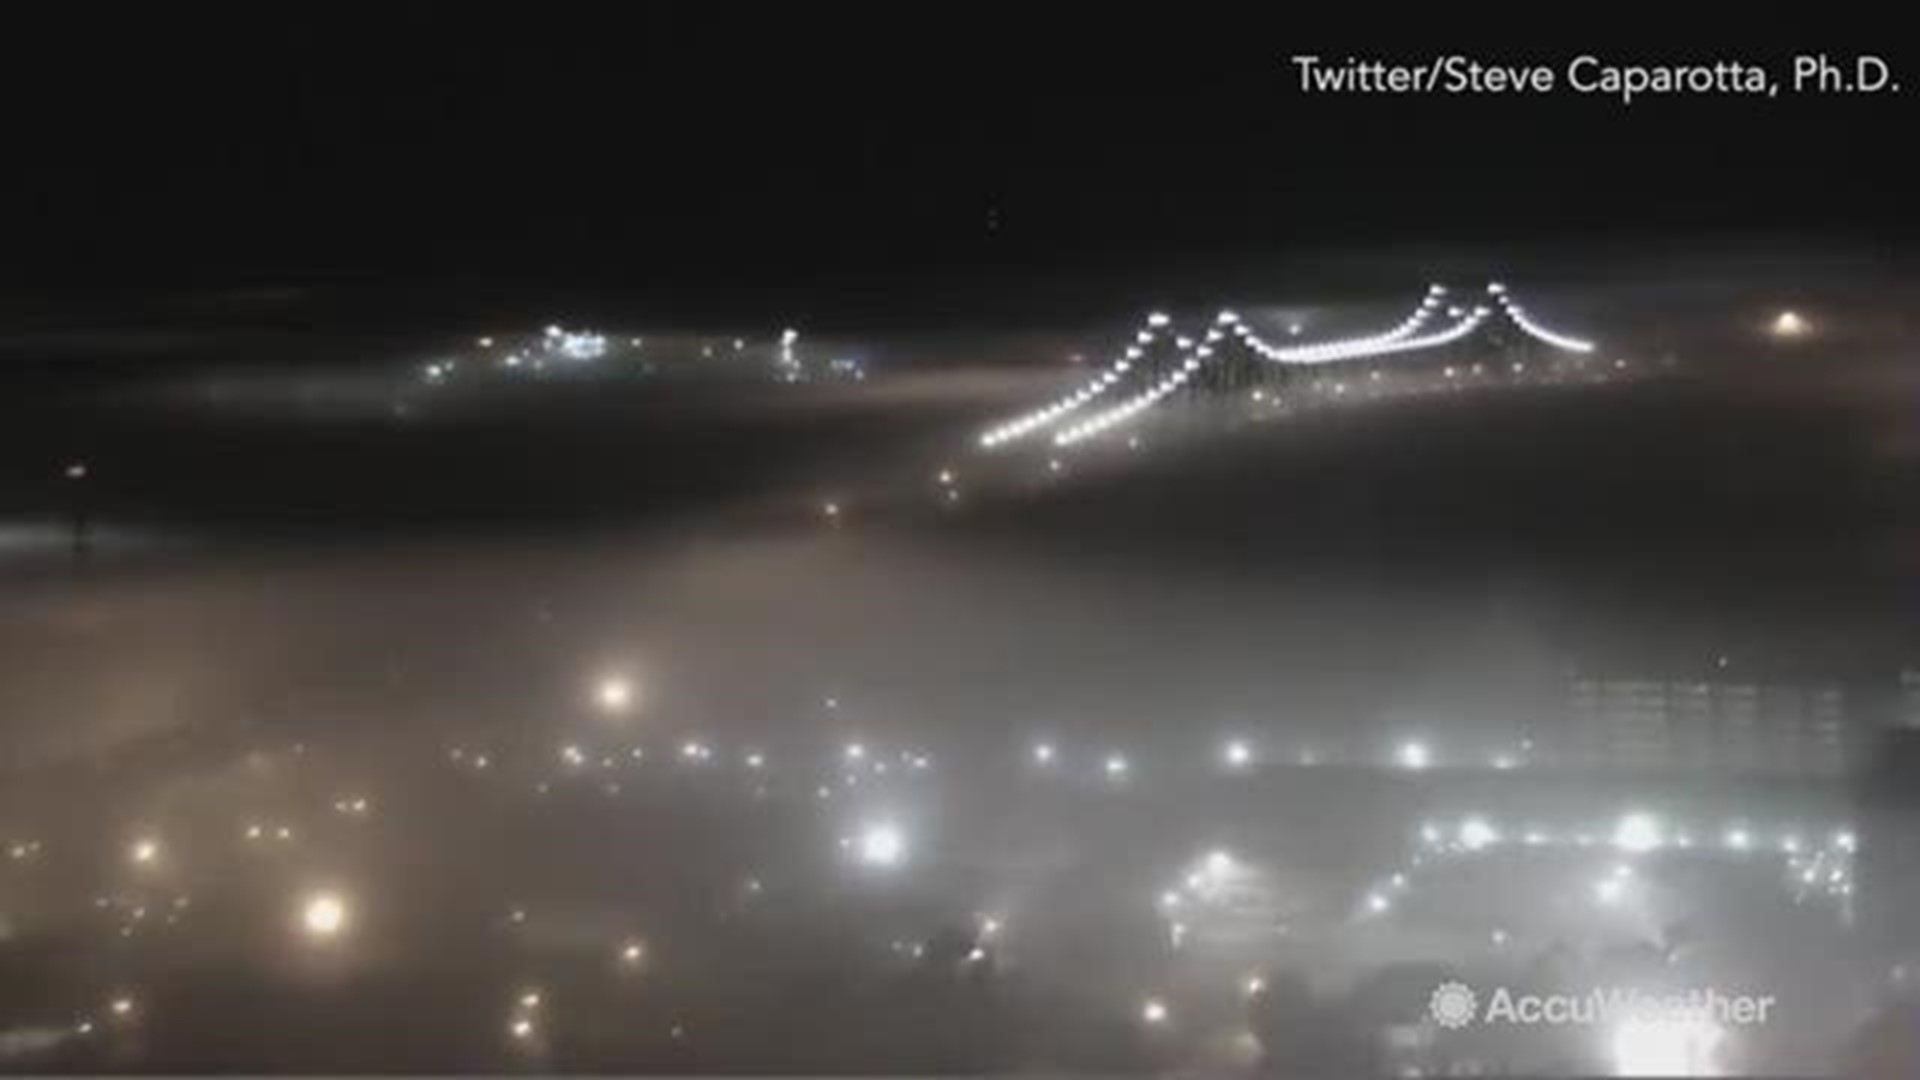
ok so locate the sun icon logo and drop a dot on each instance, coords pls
(1453, 1005)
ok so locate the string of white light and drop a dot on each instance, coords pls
(1409, 335)
(1046, 416)
(1533, 329)
(1464, 323)
(1339, 349)
(1042, 417)
(1195, 357)
(1400, 339)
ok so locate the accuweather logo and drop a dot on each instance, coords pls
(1454, 1005)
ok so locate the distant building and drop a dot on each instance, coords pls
(1735, 728)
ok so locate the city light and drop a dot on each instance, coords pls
(1667, 1046)
(1413, 755)
(1476, 833)
(1789, 325)
(1638, 833)
(614, 693)
(882, 844)
(323, 915)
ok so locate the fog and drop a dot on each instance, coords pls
(532, 670)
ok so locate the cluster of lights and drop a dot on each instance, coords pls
(256, 831)
(136, 913)
(882, 844)
(553, 346)
(522, 1021)
(575, 344)
(1827, 867)
(787, 365)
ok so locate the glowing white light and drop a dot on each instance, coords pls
(530, 999)
(1739, 839)
(1413, 755)
(855, 752)
(1116, 767)
(1639, 832)
(323, 915)
(614, 693)
(1253, 986)
(1789, 324)
(1043, 754)
(144, 852)
(882, 844)
(1377, 903)
(1154, 1011)
(573, 755)
(1219, 863)
(632, 953)
(1238, 755)
(1610, 889)
(1846, 841)
(1477, 833)
(121, 1006)
(521, 1028)
(1667, 1046)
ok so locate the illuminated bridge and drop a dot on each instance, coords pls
(1160, 361)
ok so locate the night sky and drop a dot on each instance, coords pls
(852, 156)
